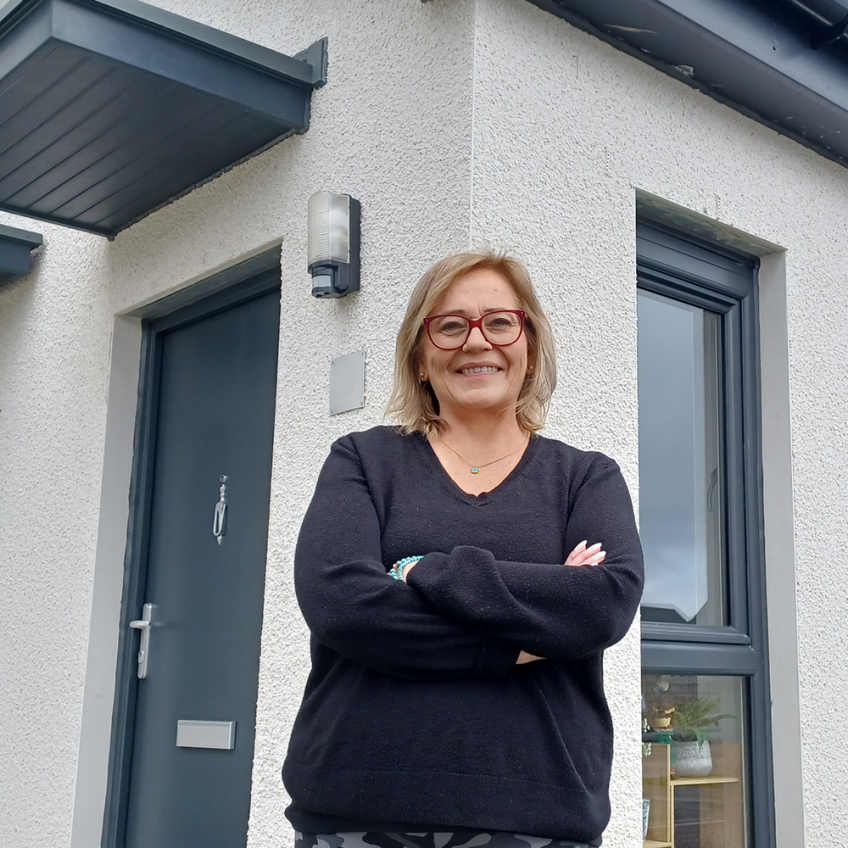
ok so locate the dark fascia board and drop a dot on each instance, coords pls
(755, 56)
(16, 248)
(178, 55)
(297, 69)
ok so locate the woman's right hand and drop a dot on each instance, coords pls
(582, 555)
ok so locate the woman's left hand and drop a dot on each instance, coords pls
(581, 555)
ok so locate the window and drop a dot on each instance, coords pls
(705, 717)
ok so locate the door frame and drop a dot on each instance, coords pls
(238, 285)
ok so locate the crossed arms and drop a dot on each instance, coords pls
(462, 612)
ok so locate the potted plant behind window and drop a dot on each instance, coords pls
(690, 748)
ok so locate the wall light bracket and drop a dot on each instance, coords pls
(333, 244)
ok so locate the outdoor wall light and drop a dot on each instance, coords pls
(333, 244)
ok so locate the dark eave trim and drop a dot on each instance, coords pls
(756, 57)
(16, 248)
(97, 29)
(297, 69)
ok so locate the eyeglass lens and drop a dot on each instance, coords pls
(451, 331)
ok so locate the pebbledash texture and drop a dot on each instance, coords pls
(415, 716)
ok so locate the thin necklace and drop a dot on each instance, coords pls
(475, 469)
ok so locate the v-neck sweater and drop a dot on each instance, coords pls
(415, 715)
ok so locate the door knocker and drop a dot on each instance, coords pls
(219, 525)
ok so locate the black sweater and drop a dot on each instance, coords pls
(415, 715)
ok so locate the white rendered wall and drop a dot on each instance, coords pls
(392, 127)
(565, 130)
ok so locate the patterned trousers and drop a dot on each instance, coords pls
(463, 839)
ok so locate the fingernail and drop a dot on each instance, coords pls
(581, 545)
(595, 546)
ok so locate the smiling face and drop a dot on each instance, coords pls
(478, 376)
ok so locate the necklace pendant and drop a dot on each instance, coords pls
(475, 470)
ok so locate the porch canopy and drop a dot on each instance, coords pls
(111, 108)
(16, 247)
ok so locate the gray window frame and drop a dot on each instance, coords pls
(699, 273)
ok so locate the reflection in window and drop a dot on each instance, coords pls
(693, 762)
(680, 461)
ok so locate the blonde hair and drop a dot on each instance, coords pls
(413, 403)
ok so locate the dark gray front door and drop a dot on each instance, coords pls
(213, 397)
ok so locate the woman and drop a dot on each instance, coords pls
(461, 703)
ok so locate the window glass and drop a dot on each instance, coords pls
(681, 469)
(693, 761)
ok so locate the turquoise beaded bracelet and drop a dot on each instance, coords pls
(396, 571)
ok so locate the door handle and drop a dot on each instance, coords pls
(143, 624)
(713, 485)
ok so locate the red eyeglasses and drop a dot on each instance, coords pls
(501, 328)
